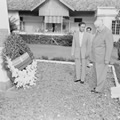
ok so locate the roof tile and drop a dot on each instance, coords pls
(79, 5)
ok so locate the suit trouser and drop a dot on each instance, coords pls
(101, 76)
(80, 68)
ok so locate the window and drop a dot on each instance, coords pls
(116, 27)
(53, 27)
(77, 19)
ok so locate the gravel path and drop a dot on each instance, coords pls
(57, 97)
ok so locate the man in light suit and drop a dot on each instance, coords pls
(102, 46)
(81, 51)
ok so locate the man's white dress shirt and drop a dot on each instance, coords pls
(81, 38)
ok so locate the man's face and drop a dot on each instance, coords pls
(98, 28)
(82, 27)
(89, 30)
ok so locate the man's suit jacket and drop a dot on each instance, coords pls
(83, 51)
(102, 46)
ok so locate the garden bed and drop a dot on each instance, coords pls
(57, 97)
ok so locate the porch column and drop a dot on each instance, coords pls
(44, 27)
(61, 21)
(21, 25)
(61, 27)
(69, 25)
(44, 23)
(4, 23)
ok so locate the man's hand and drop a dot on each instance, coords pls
(87, 56)
(72, 55)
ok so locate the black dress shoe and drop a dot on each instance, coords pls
(77, 80)
(88, 66)
(94, 91)
(82, 82)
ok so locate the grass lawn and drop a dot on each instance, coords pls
(52, 51)
(57, 97)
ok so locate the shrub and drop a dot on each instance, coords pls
(58, 59)
(117, 45)
(16, 46)
(71, 60)
(65, 40)
(44, 57)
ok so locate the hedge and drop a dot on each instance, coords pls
(64, 40)
(117, 45)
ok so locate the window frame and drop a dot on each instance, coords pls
(116, 27)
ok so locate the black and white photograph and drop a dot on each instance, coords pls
(59, 59)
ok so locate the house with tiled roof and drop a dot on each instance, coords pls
(63, 16)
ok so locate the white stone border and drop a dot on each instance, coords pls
(115, 91)
(115, 76)
(60, 62)
(52, 61)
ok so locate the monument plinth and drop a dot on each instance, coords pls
(4, 22)
(5, 82)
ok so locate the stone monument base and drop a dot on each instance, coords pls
(3, 36)
(5, 82)
(4, 86)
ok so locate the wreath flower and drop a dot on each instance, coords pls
(23, 78)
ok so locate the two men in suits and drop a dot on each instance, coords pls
(102, 45)
(81, 51)
(99, 53)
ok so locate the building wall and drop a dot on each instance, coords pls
(53, 8)
(36, 24)
(107, 14)
(4, 24)
(108, 23)
(88, 20)
(33, 24)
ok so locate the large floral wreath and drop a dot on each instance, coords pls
(23, 78)
(14, 48)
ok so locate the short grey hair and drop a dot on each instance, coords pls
(99, 22)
